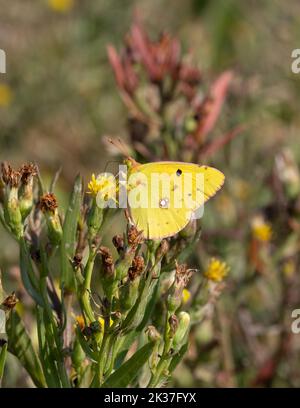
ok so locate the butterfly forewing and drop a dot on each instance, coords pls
(164, 195)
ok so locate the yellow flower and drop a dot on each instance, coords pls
(261, 229)
(186, 294)
(62, 6)
(103, 184)
(216, 270)
(6, 95)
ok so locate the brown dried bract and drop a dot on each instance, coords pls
(118, 242)
(10, 176)
(107, 260)
(11, 301)
(183, 274)
(162, 249)
(173, 322)
(28, 171)
(77, 260)
(137, 267)
(48, 203)
(134, 236)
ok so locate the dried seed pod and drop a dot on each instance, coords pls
(134, 236)
(48, 203)
(137, 267)
(10, 302)
(173, 323)
(107, 261)
(118, 242)
(182, 277)
(152, 333)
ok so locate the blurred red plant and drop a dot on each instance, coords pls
(161, 65)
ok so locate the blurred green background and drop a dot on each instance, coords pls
(58, 98)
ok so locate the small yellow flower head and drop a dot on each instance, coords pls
(6, 95)
(103, 186)
(261, 229)
(186, 295)
(61, 6)
(216, 270)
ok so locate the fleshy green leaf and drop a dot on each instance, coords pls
(69, 235)
(19, 344)
(3, 352)
(124, 375)
(85, 347)
(28, 276)
(178, 357)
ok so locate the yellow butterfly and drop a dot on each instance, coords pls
(163, 207)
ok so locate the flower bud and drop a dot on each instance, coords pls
(12, 213)
(129, 293)
(153, 334)
(27, 171)
(48, 205)
(182, 329)
(108, 271)
(182, 277)
(173, 324)
(94, 220)
(124, 263)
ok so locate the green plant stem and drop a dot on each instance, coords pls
(164, 360)
(102, 357)
(115, 346)
(58, 339)
(85, 297)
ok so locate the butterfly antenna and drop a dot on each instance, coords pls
(120, 146)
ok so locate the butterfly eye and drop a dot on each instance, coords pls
(164, 203)
(178, 172)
